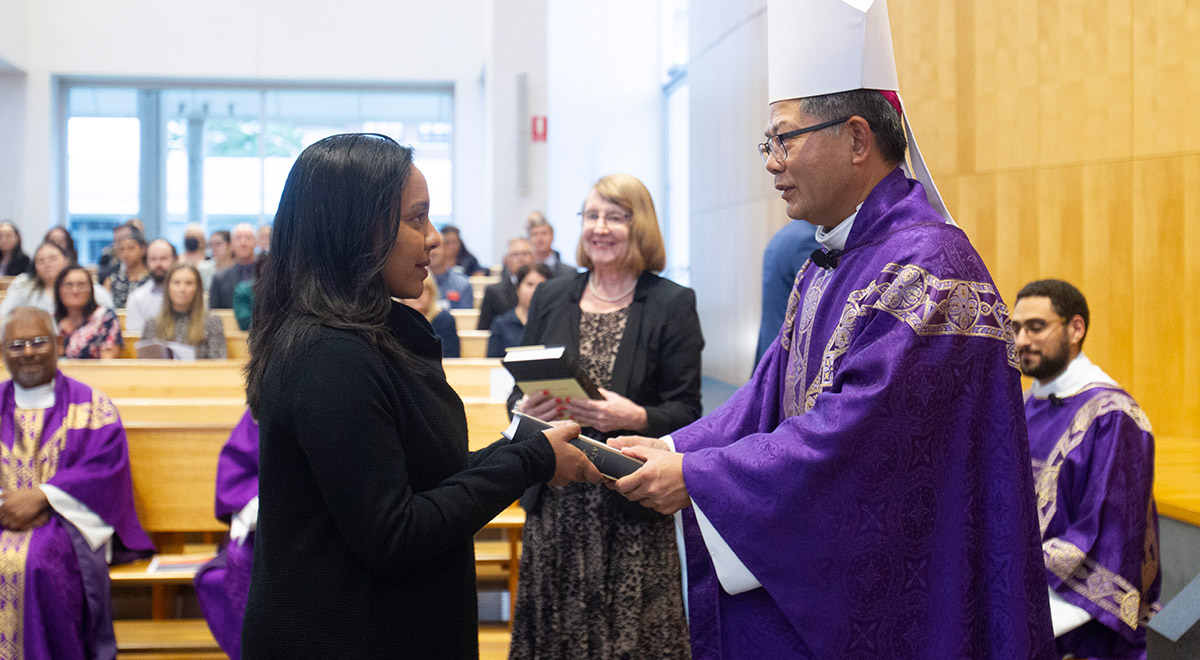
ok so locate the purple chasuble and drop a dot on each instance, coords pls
(223, 584)
(1093, 465)
(54, 600)
(873, 474)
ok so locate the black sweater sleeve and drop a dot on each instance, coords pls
(340, 399)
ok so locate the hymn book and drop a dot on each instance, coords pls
(549, 368)
(608, 460)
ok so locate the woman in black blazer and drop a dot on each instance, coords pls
(368, 497)
(599, 575)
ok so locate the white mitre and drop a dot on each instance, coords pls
(818, 47)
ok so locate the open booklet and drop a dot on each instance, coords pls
(160, 349)
(549, 368)
(608, 460)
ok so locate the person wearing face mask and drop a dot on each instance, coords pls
(194, 254)
(183, 318)
(146, 300)
(37, 289)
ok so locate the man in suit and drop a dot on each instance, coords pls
(243, 239)
(541, 236)
(501, 297)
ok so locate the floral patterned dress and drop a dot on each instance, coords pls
(101, 329)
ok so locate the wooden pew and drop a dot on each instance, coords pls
(479, 283)
(174, 467)
(118, 378)
(465, 319)
(225, 411)
(226, 316)
(236, 346)
(473, 343)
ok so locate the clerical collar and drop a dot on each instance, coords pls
(34, 398)
(1080, 373)
(835, 239)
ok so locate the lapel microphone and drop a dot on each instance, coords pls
(1056, 401)
(826, 260)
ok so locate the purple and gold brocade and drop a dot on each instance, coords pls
(223, 584)
(873, 474)
(54, 589)
(1093, 465)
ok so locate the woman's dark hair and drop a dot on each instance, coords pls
(539, 268)
(69, 248)
(463, 253)
(16, 248)
(60, 311)
(336, 223)
(140, 238)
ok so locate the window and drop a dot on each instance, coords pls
(219, 156)
(674, 56)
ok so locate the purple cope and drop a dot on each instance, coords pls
(54, 588)
(874, 473)
(223, 584)
(1093, 463)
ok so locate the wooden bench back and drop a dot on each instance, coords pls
(174, 467)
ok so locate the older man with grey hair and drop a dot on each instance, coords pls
(66, 501)
(244, 239)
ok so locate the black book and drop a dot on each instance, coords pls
(549, 368)
(608, 460)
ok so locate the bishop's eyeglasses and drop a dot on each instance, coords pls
(775, 147)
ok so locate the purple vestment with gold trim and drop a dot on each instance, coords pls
(873, 474)
(1093, 464)
(223, 584)
(54, 588)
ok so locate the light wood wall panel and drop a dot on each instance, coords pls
(1064, 139)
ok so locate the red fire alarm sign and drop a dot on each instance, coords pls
(537, 129)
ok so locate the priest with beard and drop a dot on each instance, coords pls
(67, 503)
(1093, 465)
(868, 493)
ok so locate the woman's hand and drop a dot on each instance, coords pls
(542, 406)
(569, 463)
(613, 413)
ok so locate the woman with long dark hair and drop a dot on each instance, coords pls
(13, 260)
(59, 236)
(368, 497)
(131, 249)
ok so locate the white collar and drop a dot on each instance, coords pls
(1080, 373)
(34, 398)
(835, 239)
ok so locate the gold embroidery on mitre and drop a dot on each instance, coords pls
(1107, 589)
(1046, 471)
(930, 305)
